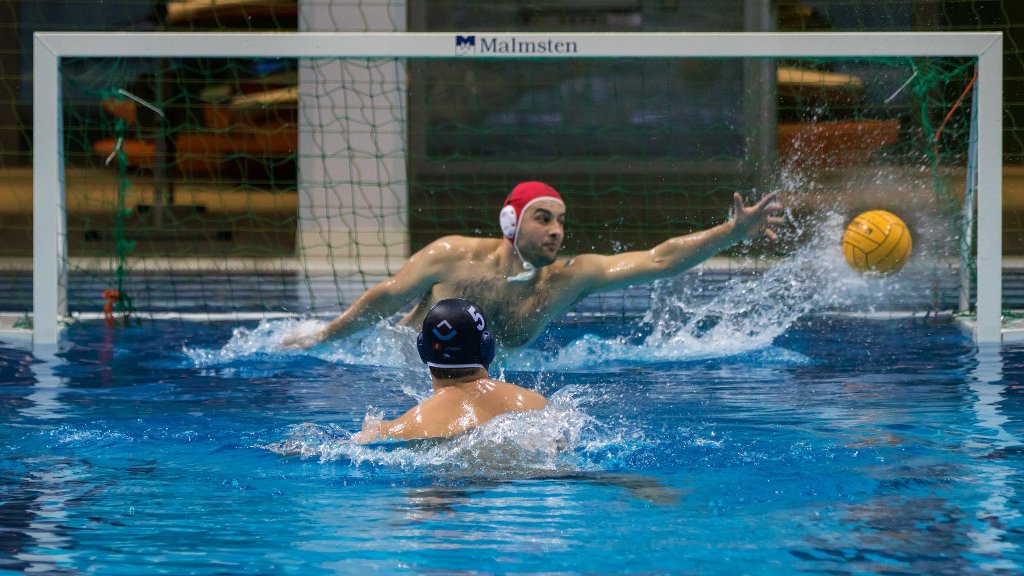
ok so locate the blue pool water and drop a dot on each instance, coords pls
(838, 445)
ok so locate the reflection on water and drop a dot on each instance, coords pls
(917, 520)
(890, 534)
(34, 514)
(427, 502)
(845, 446)
(45, 396)
(993, 477)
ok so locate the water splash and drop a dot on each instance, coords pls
(591, 351)
(383, 345)
(86, 437)
(558, 440)
(744, 314)
(750, 311)
(691, 320)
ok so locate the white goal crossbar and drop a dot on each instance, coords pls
(49, 219)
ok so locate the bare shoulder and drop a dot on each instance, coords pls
(585, 261)
(516, 397)
(461, 248)
(581, 270)
(532, 400)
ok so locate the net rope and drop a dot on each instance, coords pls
(264, 237)
(650, 167)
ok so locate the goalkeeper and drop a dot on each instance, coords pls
(520, 282)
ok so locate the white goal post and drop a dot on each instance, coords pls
(49, 237)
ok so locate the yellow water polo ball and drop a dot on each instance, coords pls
(877, 242)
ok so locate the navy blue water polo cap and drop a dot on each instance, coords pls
(455, 336)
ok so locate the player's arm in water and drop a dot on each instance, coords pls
(598, 273)
(414, 279)
(451, 412)
(432, 418)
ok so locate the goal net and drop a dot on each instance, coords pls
(258, 174)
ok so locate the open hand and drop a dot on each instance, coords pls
(298, 339)
(371, 431)
(753, 221)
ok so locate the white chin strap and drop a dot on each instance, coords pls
(510, 225)
(529, 270)
(527, 274)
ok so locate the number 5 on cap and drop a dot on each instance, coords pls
(481, 323)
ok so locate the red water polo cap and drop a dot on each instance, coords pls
(518, 200)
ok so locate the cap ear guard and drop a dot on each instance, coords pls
(518, 200)
(487, 347)
(454, 335)
(421, 347)
(508, 220)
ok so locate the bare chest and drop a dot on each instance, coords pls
(518, 312)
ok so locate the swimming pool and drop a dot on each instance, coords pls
(838, 445)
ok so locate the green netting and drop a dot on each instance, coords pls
(645, 149)
(400, 152)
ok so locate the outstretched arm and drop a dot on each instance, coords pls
(374, 305)
(681, 253)
(413, 280)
